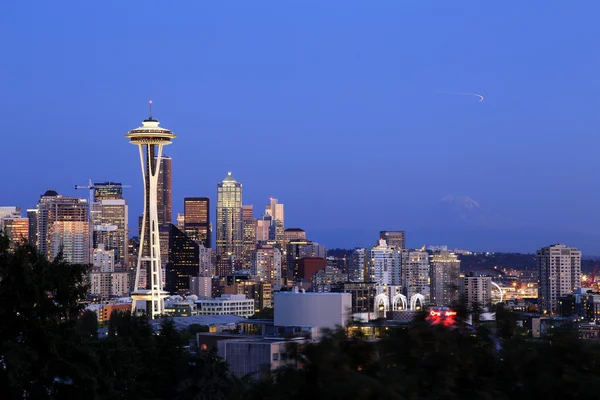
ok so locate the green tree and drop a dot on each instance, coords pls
(208, 378)
(87, 324)
(42, 354)
(333, 368)
(506, 322)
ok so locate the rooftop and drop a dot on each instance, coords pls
(50, 193)
(215, 320)
(311, 293)
(229, 178)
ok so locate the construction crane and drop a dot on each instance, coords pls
(90, 186)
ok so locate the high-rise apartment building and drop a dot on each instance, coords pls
(414, 274)
(249, 224)
(196, 220)
(105, 281)
(207, 268)
(559, 271)
(15, 227)
(32, 216)
(259, 291)
(164, 196)
(63, 226)
(110, 224)
(476, 290)
(385, 264)
(201, 286)
(358, 266)
(444, 278)
(229, 226)
(393, 239)
(266, 265)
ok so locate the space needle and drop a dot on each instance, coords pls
(150, 139)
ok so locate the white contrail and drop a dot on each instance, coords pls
(466, 94)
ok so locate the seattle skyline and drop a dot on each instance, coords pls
(351, 136)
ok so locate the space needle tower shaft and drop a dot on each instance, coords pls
(150, 139)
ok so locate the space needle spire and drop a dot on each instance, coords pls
(150, 139)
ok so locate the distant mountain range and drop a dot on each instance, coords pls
(462, 222)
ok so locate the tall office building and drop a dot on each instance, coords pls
(63, 226)
(164, 191)
(266, 265)
(393, 239)
(229, 226)
(358, 266)
(559, 272)
(247, 212)
(444, 278)
(107, 191)
(150, 139)
(196, 220)
(385, 264)
(181, 221)
(249, 224)
(291, 234)
(297, 250)
(184, 261)
(275, 210)
(414, 277)
(476, 290)
(263, 227)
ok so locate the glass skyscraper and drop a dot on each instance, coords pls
(196, 219)
(230, 242)
(183, 261)
(164, 197)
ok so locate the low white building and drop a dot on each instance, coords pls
(320, 310)
(234, 304)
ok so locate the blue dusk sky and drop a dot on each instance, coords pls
(347, 111)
